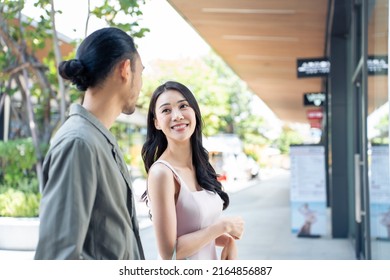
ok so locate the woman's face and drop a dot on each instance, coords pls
(174, 116)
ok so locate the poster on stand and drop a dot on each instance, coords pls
(308, 191)
(379, 181)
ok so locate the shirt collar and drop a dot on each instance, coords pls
(77, 109)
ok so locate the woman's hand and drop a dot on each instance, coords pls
(229, 251)
(233, 226)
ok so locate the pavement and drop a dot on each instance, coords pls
(264, 204)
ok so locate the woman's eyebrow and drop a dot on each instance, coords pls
(180, 101)
(162, 105)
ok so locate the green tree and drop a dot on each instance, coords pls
(383, 131)
(288, 137)
(44, 96)
(197, 76)
(224, 100)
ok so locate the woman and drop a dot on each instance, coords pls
(183, 192)
(310, 219)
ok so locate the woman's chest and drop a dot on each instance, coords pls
(196, 210)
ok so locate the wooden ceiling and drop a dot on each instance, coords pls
(261, 41)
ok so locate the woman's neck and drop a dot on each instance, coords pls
(179, 154)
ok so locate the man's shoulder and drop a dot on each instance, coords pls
(77, 129)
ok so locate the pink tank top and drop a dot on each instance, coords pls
(195, 211)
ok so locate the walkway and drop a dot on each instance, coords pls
(265, 206)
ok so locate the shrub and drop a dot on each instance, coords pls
(19, 186)
(17, 161)
(15, 203)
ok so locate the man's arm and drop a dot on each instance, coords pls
(67, 200)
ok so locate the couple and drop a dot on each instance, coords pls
(87, 207)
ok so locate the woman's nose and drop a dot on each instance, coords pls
(177, 115)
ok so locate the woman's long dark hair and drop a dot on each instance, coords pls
(156, 142)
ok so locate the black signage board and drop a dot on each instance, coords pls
(313, 67)
(314, 99)
(377, 64)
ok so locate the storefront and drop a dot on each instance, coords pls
(358, 116)
(378, 129)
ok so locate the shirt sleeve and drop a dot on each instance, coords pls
(69, 191)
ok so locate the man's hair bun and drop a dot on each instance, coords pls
(74, 71)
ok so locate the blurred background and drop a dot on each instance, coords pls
(274, 80)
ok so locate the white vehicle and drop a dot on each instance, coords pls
(228, 159)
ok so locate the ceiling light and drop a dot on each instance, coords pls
(248, 11)
(263, 57)
(259, 38)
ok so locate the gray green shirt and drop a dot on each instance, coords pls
(87, 207)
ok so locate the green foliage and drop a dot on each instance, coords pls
(23, 37)
(21, 40)
(201, 79)
(17, 161)
(112, 11)
(288, 137)
(130, 141)
(383, 131)
(36, 34)
(123, 134)
(223, 98)
(16, 203)
(19, 187)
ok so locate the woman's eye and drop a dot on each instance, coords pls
(165, 111)
(184, 106)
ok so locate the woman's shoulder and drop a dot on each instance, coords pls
(161, 175)
(160, 170)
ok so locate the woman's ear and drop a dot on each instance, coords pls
(156, 125)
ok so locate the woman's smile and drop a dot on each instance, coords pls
(179, 127)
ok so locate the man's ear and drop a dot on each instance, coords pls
(125, 69)
(156, 125)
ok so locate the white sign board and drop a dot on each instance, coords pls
(379, 180)
(308, 190)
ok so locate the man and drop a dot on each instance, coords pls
(87, 207)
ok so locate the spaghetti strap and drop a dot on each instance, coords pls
(176, 175)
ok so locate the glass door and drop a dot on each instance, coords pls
(378, 128)
(370, 86)
(359, 91)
